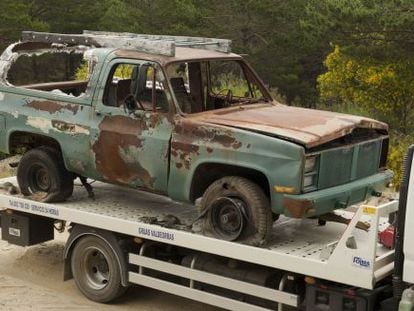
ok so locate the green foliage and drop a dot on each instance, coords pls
(123, 71)
(385, 89)
(15, 16)
(378, 28)
(69, 16)
(82, 72)
(270, 32)
(226, 82)
(397, 152)
(149, 16)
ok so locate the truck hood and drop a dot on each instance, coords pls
(308, 127)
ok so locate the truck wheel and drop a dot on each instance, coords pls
(235, 208)
(42, 173)
(96, 270)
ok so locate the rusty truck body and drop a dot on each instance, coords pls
(193, 123)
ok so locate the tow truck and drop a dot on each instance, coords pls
(119, 239)
(356, 258)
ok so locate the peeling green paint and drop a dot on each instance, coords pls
(164, 151)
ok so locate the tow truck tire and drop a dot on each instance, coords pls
(42, 174)
(96, 270)
(244, 208)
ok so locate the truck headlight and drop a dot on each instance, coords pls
(310, 173)
(310, 164)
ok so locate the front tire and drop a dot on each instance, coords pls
(236, 209)
(96, 270)
(42, 174)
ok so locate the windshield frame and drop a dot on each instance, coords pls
(248, 71)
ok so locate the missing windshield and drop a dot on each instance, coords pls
(214, 84)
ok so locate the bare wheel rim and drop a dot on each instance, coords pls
(95, 268)
(227, 217)
(39, 178)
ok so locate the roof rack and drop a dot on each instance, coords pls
(154, 44)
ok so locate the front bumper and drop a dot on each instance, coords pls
(324, 201)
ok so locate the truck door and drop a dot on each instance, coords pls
(132, 125)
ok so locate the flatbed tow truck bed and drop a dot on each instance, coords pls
(333, 252)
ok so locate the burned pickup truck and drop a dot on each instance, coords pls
(181, 117)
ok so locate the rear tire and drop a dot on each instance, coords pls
(96, 270)
(42, 174)
(236, 209)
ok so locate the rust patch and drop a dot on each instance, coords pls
(227, 140)
(192, 131)
(237, 145)
(74, 108)
(183, 151)
(70, 127)
(52, 107)
(184, 148)
(155, 119)
(190, 134)
(306, 126)
(297, 208)
(120, 134)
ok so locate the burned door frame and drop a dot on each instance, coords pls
(131, 148)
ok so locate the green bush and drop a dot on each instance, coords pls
(398, 148)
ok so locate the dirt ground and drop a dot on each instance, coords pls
(31, 278)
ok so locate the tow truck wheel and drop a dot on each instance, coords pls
(235, 208)
(42, 174)
(96, 270)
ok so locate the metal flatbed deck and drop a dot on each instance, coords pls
(299, 246)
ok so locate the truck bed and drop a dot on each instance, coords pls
(297, 245)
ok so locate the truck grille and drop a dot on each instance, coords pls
(345, 164)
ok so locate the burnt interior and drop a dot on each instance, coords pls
(48, 71)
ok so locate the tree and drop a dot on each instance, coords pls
(385, 89)
(15, 17)
(381, 29)
(174, 17)
(70, 16)
(271, 34)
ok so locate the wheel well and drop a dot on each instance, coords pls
(20, 142)
(206, 174)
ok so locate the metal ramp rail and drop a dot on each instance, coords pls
(154, 44)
